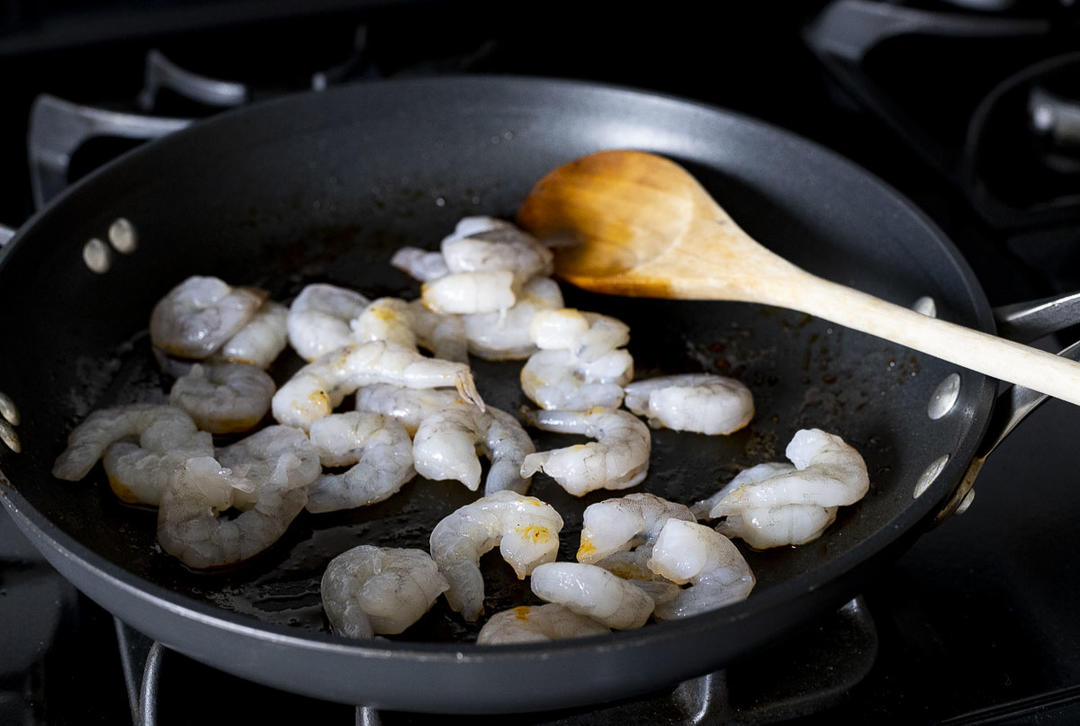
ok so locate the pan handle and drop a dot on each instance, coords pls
(1022, 322)
(6, 233)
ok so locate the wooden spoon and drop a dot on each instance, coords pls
(646, 228)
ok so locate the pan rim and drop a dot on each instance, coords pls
(830, 571)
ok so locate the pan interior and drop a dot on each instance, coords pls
(322, 190)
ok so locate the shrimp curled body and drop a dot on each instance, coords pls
(200, 314)
(446, 442)
(618, 459)
(224, 398)
(776, 504)
(525, 529)
(377, 448)
(137, 472)
(368, 590)
(189, 527)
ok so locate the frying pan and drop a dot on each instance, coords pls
(323, 187)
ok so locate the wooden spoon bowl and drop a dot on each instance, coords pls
(644, 227)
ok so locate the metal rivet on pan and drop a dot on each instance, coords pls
(965, 502)
(925, 306)
(9, 437)
(8, 410)
(122, 236)
(927, 477)
(944, 397)
(97, 256)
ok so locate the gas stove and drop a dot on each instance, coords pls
(968, 108)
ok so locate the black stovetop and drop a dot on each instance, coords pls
(974, 624)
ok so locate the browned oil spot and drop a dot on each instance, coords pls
(521, 612)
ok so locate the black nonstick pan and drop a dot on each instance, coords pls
(324, 187)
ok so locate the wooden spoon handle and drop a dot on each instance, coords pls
(996, 357)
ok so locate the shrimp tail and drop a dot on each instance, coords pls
(466, 387)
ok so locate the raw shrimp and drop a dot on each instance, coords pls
(699, 402)
(368, 590)
(618, 459)
(620, 524)
(137, 473)
(542, 623)
(525, 529)
(318, 387)
(420, 264)
(261, 340)
(224, 398)
(470, 292)
(190, 529)
(579, 364)
(828, 473)
(446, 442)
(278, 456)
(200, 314)
(764, 527)
(319, 318)
(409, 406)
(379, 450)
(484, 243)
(593, 592)
(688, 552)
(504, 335)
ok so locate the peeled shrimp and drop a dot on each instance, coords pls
(579, 364)
(688, 552)
(485, 243)
(261, 340)
(277, 456)
(200, 314)
(420, 264)
(368, 590)
(137, 473)
(829, 473)
(446, 443)
(379, 450)
(525, 529)
(620, 524)
(409, 406)
(319, 317)
(528, 624)
(776, 504)
(702, 403)
(618, 459)
(190, 529)
(470, 292)
(224, 398)
(318, 387)
(504, 335)
(593, 592)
